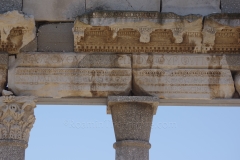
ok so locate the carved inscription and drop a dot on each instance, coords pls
(202, 61)
(73, 60)
(16, 30)
(105, 33)
(71, 82)
(184, 83)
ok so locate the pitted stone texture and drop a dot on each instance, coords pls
(185, 7)
(237, 82)
(112, 100)
(132, 150)
(30, 47)
(69, 82)
(133, 5)
(221, 34)
(230, 6)
(55, 37)
(17, 117)
(12, 150)
(16, 31)
(137, 32)
(54, 10)
(183, 83)
(10, 5)
(185, 61)
(71, 60)
(3, 70)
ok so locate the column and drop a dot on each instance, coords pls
(132, 119)
(16, 121)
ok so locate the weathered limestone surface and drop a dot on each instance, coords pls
(71, 60)
(132, 119)
(230, 6)
(55, 38)
(68, 75)
(16, 31)
(237, 82)
(185, 7)
(133, 5)
(3, 70)
(16, 121)
(186, 61)
(10, 5)
(129, 32)
(54, 10)
(183, 83)
(221, 34)
(30, 47)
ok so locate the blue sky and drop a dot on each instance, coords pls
(178, 133)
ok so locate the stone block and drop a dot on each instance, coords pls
(55, 37)
(30, 47)
(68, 75)
(3, 71)
(185, 7)
(133, 5)
(54, 10)
(16, 31)
(185, 61)
(10, 5)
(141, 32)
(230, 6)
(221, 34)
(183, 83)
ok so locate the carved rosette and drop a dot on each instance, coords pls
(16, 117)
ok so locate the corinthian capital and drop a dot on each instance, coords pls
(16, 117)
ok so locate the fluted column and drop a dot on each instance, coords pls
(16, 121)
(132, 119)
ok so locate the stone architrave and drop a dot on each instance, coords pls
(186, 61)
(185, 7)
(3, 70)
(60, 75)
(221, 34)
(137, 32)
(132, 119)
(183, 83)
(16, 31)
(16, 121)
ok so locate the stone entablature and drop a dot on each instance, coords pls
(70, 75)
(141, 32)
(183, 83)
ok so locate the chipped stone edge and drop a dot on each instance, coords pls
(154, 101)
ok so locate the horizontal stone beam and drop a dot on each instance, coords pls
(162, 102)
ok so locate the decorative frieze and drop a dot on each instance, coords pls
(16, 31)
(141, 32)
(183, 83)
(71, 60)
(186, 61)
(221, 33)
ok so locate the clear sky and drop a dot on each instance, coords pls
(178, 133)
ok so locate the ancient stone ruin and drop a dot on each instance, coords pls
(130, 56)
